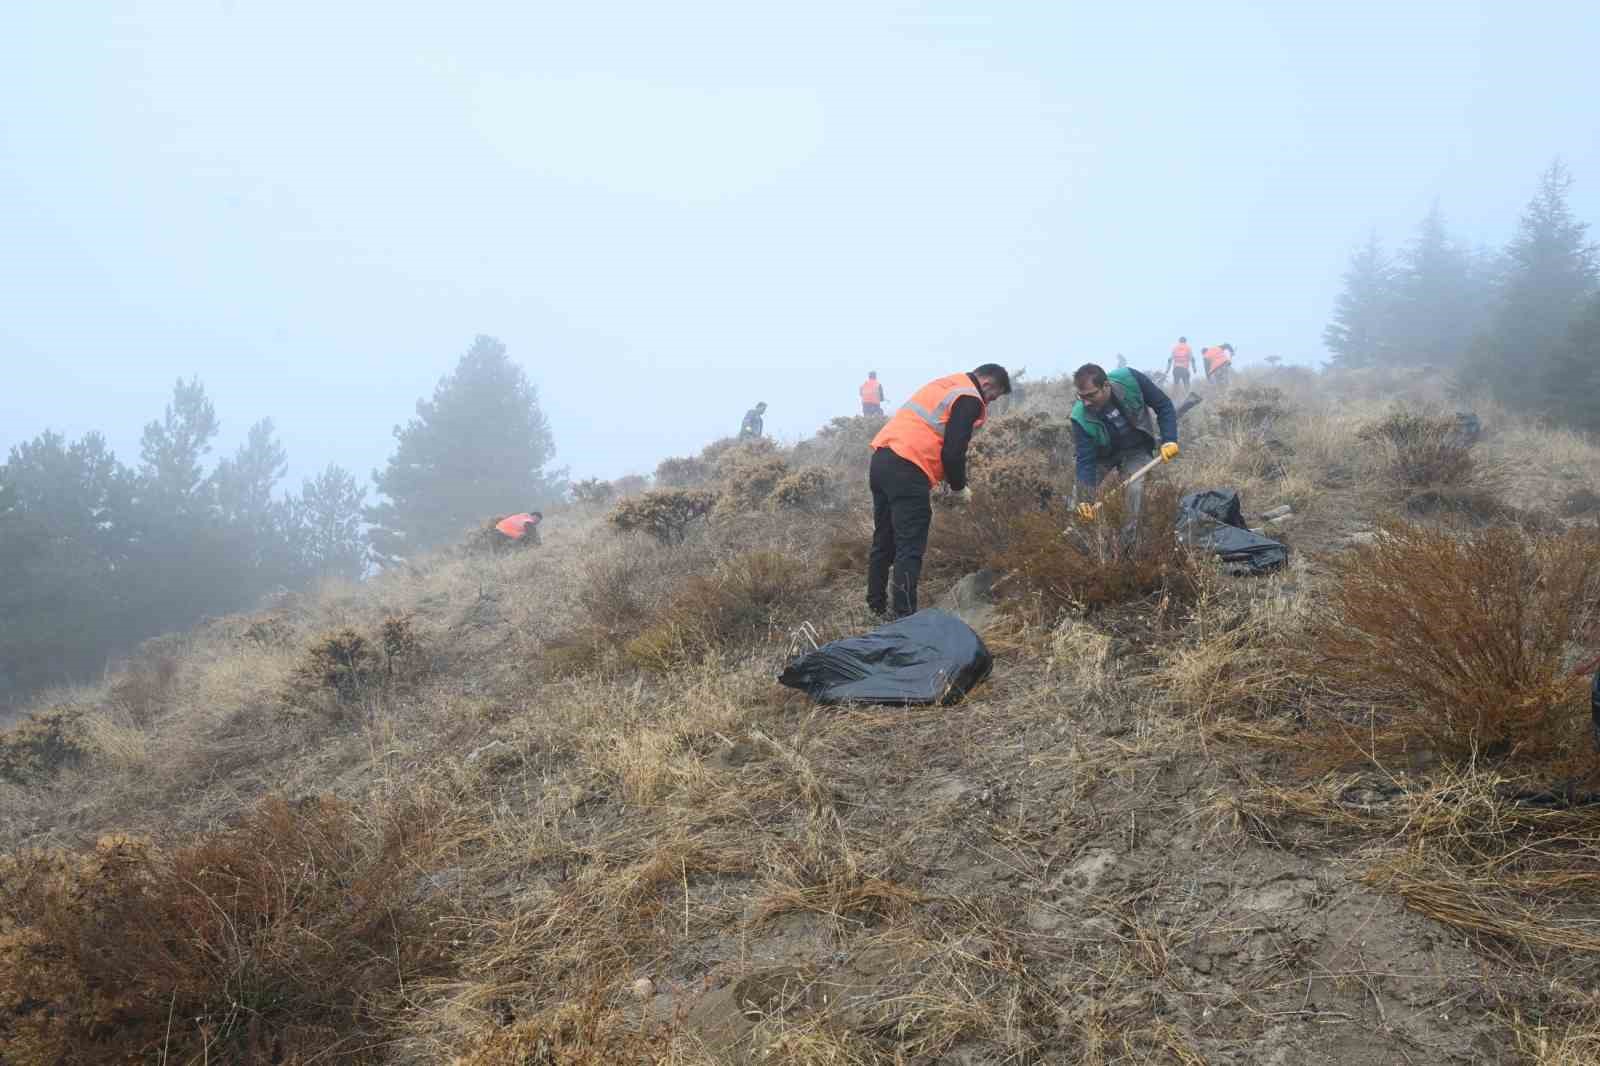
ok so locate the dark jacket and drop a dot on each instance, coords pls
(1088, 456)
(957, 435)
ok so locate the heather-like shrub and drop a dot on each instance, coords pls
(592, 491)
(811, 489)
(41, 744)
(664, 514)
(743, 600)
(289, 937)
(1422, 450)
(1462, 639)
(1250, 408)
(748, 479)
(342, 663)
(677, 473)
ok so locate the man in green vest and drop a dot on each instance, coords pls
(1112, 428)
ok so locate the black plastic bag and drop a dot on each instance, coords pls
(928, 657)
(1214, 520)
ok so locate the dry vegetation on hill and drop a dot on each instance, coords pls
(551, 808)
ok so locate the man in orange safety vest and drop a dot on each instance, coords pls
(1219, 364)
(923, 444)
(518, 530)
(872, 394)
(1179, 364)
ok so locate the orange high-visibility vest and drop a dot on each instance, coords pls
(514, 525)
(916, 432)
(1216, 358)
(871, 391)
(1181, 354)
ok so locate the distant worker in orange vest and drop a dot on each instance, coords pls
(872, 394)
(1219, 364)
(1179, 363)
(519, 530)
(924, 443)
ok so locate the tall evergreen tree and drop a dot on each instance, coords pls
(1361, 333)
(478, 448)
(1572, 376)
(1550, 269)
(64, 545)
(329, 511)
(1439, 303)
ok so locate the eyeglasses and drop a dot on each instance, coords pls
(1092, 393)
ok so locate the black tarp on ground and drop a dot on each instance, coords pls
(929, 657)
(1213, 519)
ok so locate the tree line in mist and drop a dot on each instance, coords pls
(97, 555)
(1522, 321)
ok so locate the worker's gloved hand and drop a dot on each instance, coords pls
(964, 496)
(1169, 451)
(1086, 511)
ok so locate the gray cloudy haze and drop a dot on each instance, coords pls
(668, 212)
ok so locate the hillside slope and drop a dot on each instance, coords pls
(551, 807)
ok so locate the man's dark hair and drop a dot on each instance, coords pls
(1183, 340)
(997, 374)
(1089, 374)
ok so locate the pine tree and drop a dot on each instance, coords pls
(1550, 270)
(1361, 333)
(1439, 302)
(478, 448)
(329, 512)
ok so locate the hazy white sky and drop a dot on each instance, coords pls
(670, 211)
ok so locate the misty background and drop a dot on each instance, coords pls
(635, 221)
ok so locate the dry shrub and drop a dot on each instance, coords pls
(288, 937)
(1250, 408)
(664, 514)
(808, 490)
(844, 442)
(592, 492)
(42, 744)
(1034, 434)
(681, 472)
(402, 648)
(732, 449)
(630, 485)
(748, 479)
(1422, 450)
(1019, 479)
(141, 691)
(1090, 564)
(1462, 639)
(741, 601)
(342, 664)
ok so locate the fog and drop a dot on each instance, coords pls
(669, 212)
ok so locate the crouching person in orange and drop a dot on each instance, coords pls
(923, 444)
(518, 530)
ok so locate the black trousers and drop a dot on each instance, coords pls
(902, 508)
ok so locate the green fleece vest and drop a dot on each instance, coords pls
(1126, 392)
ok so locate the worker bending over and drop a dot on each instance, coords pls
(925, 443)
(1112, 427)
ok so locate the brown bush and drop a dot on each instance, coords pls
(1422, 450)
(1034, 434)
(811, 489)
(1056, 563)
(677, 473)
(665, 514)
(843, 442)
(748, 479)
(286, 938)
(1250, 408)
(1461, 639)
(743, 600)
(342, 663)
(402, 648)
(725, 447)
(592, 491)
(41, 744)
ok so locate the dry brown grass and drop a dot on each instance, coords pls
(293, 933)
(1462, 640)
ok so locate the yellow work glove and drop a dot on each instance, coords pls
(1169, 451)
(1086, 511)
